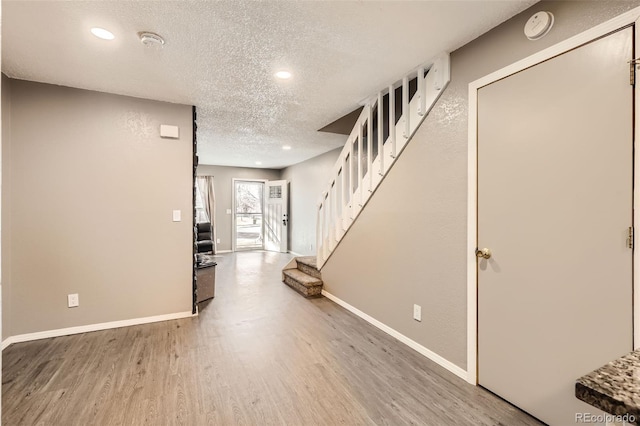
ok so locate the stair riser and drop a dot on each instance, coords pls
(309, 270)
(302, 278)
(305, 291)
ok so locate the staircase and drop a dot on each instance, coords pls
(386, 124)
(302, 275)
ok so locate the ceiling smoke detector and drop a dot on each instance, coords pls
(538, 25)
(151, 39)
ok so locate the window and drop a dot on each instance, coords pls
(201, 213)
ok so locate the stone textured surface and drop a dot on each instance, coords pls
(309, 266)
(614, 387)
(306, 279)
(309, 270)
(302, 289)
(308, 260)
(302, 278)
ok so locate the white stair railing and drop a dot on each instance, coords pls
(359, 170)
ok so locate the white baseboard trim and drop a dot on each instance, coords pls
(294, 253)
(92, 327)
(401, 337)
(224, 251)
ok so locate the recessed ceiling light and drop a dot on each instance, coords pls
(283, 74)
(258, 163)
(286, 147)
(102, 33)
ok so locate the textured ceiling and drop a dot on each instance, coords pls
(221, 57)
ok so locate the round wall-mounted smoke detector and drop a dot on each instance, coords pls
(150, 39)
(538, 25)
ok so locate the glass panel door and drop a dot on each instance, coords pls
(249, 199)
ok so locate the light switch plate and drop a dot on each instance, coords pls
(177, 216)
(417, 312)
(228, 211)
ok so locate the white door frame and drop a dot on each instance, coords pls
(285, 204)
(233, 209)
(601, 30)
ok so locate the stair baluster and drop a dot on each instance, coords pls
(350, 186)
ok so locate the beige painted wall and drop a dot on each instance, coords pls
(6, 212)
(307, 182)
(222, 178)
(409, 244)
(91, 192)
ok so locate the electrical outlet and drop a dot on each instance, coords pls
(218, 241)
(73, 300)
(417, 312)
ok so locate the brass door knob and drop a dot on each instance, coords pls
(484, 253)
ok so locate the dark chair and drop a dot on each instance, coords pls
(204, 240)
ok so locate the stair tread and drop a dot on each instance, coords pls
(302, 278)
(308, 260)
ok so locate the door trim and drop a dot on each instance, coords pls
(285, 205)
(617, 23)
(233, 209)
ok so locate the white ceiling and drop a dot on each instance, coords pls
(221, 57)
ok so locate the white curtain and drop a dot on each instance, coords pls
(207, 194)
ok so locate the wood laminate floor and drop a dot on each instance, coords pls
(258, 354)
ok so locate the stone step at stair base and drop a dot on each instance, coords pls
(308, 265)
(303, 283)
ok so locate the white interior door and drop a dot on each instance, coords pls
(276, 215)
(555, 200)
